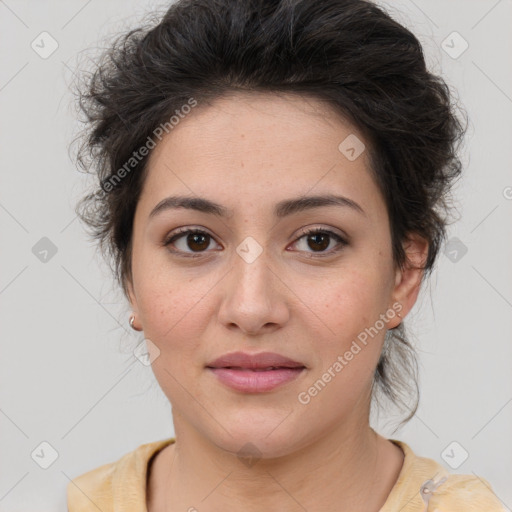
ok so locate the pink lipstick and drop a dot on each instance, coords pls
(255, 373)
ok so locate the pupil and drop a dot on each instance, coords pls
(323, 237)
(194, 239)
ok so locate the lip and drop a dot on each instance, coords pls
(255, 373)
(262, 360)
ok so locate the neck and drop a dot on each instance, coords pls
(345, 469)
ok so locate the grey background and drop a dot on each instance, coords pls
(67, 372)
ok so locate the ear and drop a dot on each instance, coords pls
(408, 279)
(131, 295)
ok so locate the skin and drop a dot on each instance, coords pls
(248, 151)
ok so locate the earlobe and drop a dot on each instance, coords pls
(133, 303)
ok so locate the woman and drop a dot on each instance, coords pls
(273, 192)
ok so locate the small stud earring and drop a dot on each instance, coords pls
(132, 320)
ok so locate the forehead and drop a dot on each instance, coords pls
(252, 146)
(240, 114)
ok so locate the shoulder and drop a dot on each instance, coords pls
(92, 489)
(424, 485)
(461, 492)
(114, 486)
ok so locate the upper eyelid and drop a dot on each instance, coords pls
(305, 231)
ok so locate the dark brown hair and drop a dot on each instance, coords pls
(349, 53)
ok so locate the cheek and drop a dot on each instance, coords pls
(352, 301)
(173, 317)
(348, 344)
(350, 309)
(172, 304)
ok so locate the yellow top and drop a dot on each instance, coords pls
(423, 485)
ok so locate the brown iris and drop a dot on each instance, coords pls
(202, 241)
(321, 241)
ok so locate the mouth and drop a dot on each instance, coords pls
(256, 373)
(270, 368)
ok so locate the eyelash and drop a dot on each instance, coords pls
(313, 231)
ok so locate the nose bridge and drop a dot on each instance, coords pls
(252, 299)
(252, 276)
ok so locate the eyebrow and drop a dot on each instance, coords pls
(282, 209)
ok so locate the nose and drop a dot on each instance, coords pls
(254, 298)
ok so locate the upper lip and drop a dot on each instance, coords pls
(254, 361)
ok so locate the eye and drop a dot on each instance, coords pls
(193, 242)
(319, 240)
(194, 239)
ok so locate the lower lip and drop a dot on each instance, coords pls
(250, 381)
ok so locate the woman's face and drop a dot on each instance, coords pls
(254, 282)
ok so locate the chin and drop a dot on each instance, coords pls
(249, 450)
(251, 441)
